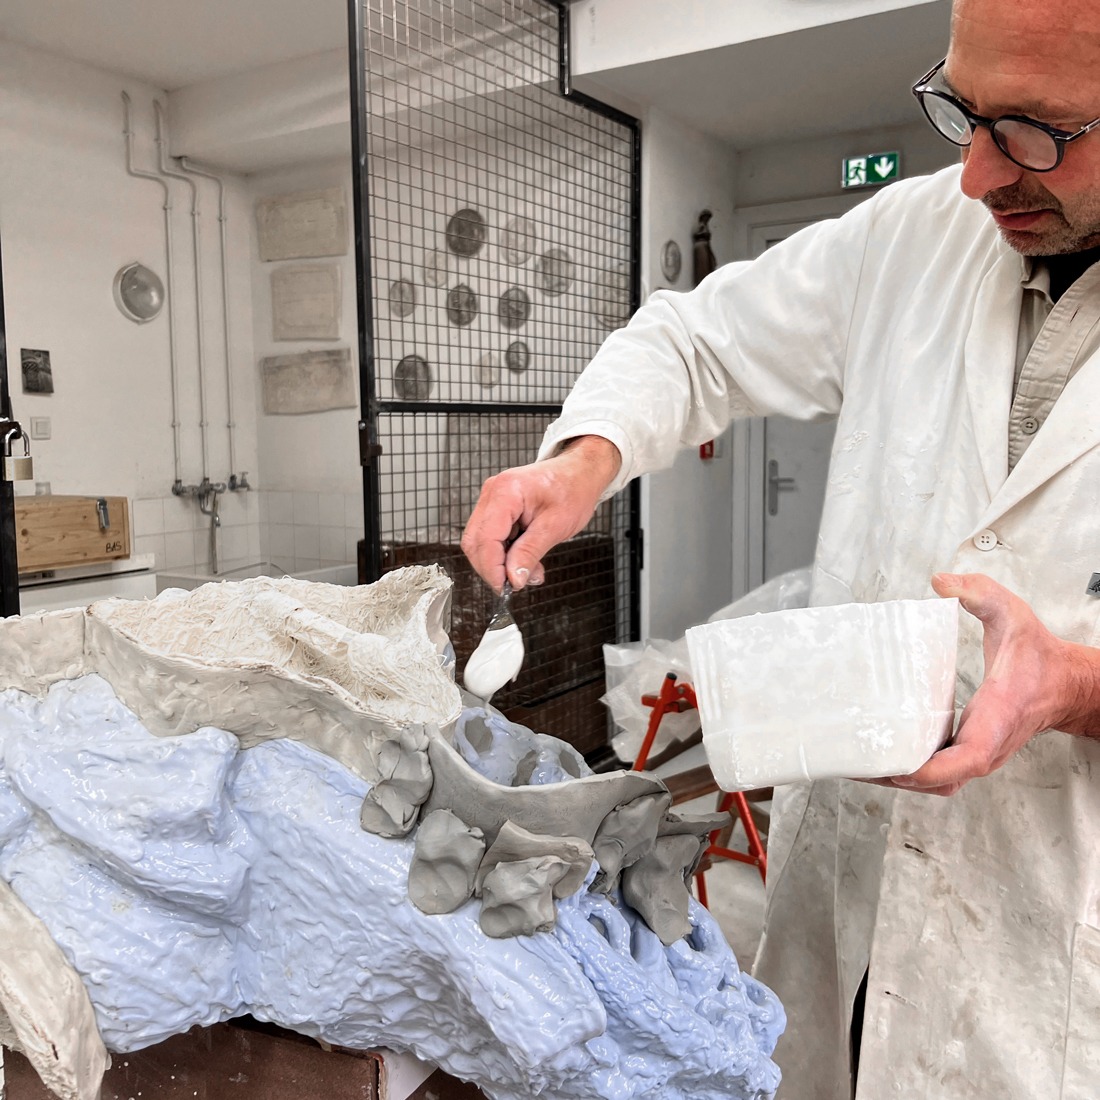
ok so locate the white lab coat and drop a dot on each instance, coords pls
(980, 913)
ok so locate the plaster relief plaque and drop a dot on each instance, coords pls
(671, 261)
(412, 378)
(402, 298)
(466, 232)
(487, 369)
(306, 382)
(304, 224)
(513, 307)
(609, 298)
(517, 241)
(305, 302)
(461, 305)
(556, 271)
(435, 267)
(518, 357)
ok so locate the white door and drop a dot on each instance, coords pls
(796, 467)
(784, 464)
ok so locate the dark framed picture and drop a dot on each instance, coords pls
(37, 372)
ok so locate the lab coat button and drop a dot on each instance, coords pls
(986, 540)
(1029, 425)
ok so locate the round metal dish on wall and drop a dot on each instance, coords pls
(466, 232)
(517, 241)
(412, 378)
(402, 297)
(518, 357)
(609, 298)
(513, 307)
(435, 267)
(556, 271)
(461, 305)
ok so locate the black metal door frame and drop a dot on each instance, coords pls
(9, 570)
(370, 406)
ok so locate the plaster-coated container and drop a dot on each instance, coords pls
(856, 690)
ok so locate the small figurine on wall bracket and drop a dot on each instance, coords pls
(703, 261)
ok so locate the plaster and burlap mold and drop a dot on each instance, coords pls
(44, 1008)
(267, 797)
(875, 692)
(335, 667)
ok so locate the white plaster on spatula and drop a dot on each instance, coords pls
(497, 659)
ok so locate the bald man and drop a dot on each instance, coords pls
(952, 324)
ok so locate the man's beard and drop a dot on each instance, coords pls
(1056, 238)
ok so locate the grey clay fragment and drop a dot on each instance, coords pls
(514, 844)
(558, 809)
(391, 806)
(656, 885)
(519, 848)
(626, 834)
(443, 870)
(518, 898)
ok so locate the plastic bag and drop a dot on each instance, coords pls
(635, 669)
(788, 590)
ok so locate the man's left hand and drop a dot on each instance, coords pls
(1033, 682)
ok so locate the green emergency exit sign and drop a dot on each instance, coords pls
(871, 170)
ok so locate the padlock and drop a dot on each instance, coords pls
(17, 468)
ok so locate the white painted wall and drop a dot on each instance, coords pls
(295, 111)
(70, 217)
(811, 168)
(686, 511)
(608, 34)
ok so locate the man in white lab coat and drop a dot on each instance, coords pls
(952, 323)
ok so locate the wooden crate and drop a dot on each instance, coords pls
(243, 1060)
(52, 532)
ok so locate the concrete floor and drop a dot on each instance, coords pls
(735, 890)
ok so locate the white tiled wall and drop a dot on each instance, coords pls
(292, 530)
(311, 530)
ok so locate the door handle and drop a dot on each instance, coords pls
(775, 483)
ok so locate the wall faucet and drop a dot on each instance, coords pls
(206, 493)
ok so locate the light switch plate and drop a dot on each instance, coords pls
(40, 427)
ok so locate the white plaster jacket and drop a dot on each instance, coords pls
(981, 911)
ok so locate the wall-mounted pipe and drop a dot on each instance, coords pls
(167, 170)
(169, 302)
(235, 482)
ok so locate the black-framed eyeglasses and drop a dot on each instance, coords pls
(1025, 141)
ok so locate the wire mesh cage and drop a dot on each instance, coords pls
(502, 241)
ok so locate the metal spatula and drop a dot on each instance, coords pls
(499, 654)
(502, 617)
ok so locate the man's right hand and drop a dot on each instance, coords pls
(523, 512)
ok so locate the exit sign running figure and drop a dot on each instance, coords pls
(870, 171)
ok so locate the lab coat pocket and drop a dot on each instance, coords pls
(1081, 1068)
